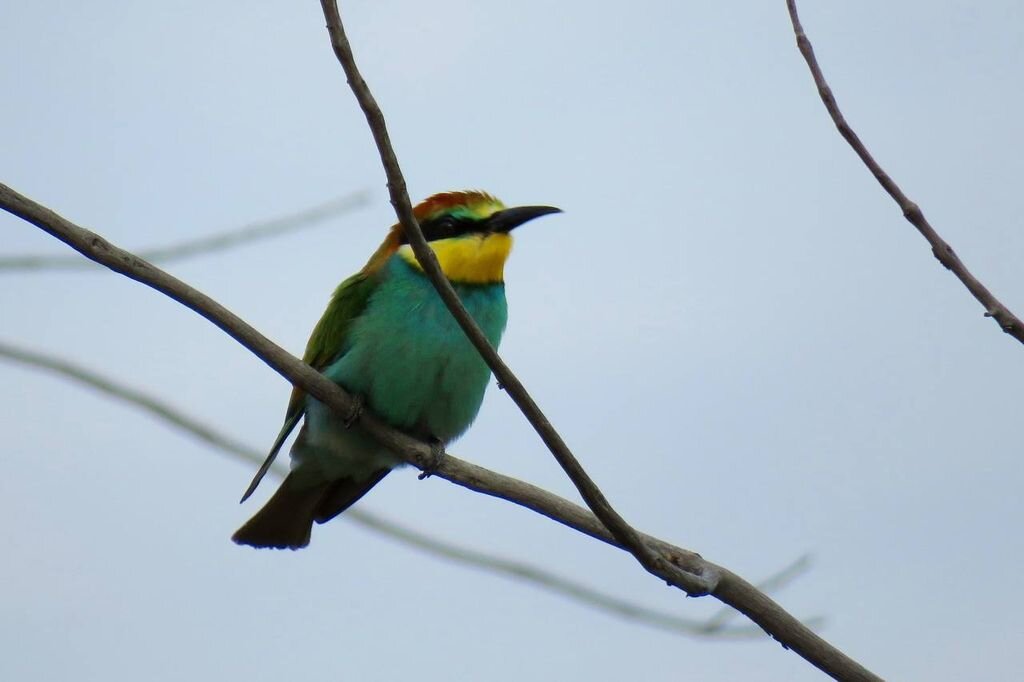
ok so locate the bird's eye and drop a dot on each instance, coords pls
(446, 225)
(443, 227)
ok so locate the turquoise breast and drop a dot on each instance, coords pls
(410, 361)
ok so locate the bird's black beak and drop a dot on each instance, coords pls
(511, 218)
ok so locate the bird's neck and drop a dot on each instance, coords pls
(472, 259)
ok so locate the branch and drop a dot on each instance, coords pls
(1008, 322)
(727, 587)
(510, 568)
(592, 495)
(221, 241)
(717, 622)
(713, 627)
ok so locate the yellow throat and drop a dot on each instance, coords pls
(469, 259)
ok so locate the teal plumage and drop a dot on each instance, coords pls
(411, 363)
(410, 360)
(388, 338)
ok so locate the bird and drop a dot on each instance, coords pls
(388, 339)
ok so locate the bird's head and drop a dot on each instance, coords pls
(469, 233)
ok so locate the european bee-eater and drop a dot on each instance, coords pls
(388, 338)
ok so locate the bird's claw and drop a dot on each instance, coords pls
(355, 412)
(437, 456)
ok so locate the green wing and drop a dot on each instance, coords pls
(325, 344)
(327, 341)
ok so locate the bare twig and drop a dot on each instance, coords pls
(729, 588)
(132, 396)
(592, 495)
(1007, 321)
(775, 582)
(715, 626)
(222, 241)
(511, 568)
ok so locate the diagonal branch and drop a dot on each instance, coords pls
(718, 621)
(517, 570)
(220, 241)
(592, 495)
(713, 627)
(697, 573)
(994, 308)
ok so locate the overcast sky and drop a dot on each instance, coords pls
(750, 350)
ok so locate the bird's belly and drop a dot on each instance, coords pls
(413, 365)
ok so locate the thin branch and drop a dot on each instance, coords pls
(773, 583)
(510, 568)
(592, 495)
(712, 627)
(221, 241)
(1007, 321)
(728, 587)
(148, 403)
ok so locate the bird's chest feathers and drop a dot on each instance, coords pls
(470, 259)
(409, 358)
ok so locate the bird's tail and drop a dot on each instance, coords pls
(286, 520)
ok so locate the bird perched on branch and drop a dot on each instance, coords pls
(388, 338)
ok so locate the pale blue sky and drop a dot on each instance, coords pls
(747, 346)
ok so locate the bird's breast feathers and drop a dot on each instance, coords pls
(469, 259)
(408, 357)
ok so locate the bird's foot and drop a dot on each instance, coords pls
(437, 456)
(357, 409)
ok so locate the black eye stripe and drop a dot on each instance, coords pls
(447, 226)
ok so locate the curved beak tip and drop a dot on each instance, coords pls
(511, 218)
